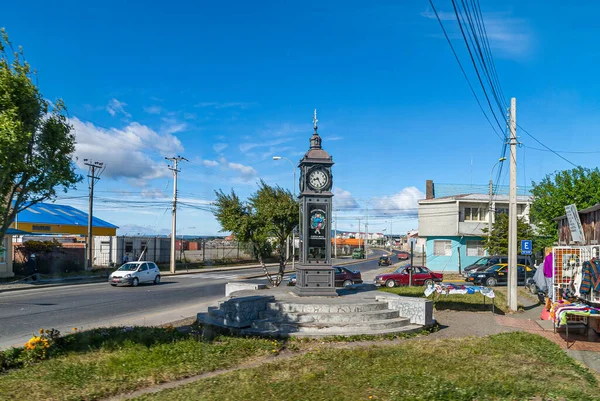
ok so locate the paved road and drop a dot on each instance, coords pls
(94, 305)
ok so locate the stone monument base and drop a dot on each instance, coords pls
(280, 312)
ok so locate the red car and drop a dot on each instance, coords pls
(403, 255)
(420, 276)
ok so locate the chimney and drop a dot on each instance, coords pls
(429, 191)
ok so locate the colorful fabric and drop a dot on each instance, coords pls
(591, 277)
(548, 265)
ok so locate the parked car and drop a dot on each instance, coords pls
(498, 275)
(421, 275)
(135, 273)
(403, 255)
(487, 261)
(358, 254)
(384, 261)
(343, 277)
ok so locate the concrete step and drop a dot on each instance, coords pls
(293, 307)
(411, 328)
(333, 318)
(326, 328)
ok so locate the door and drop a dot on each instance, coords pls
(144, 273)
(402, 277)
(502, 274)
(339, 276)
(419, 276)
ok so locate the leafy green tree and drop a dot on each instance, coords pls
(36, 143)
(271, 213)
(579, 186)
(497, 243)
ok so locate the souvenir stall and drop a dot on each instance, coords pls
(450, 289)
(574, 299)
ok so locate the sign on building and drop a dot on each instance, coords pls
(575, 224)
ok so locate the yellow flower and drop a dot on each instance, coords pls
(74, 328)
(41, 331)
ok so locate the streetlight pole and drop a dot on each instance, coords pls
(293, 231)
(491, 191)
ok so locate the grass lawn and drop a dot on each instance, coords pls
(466, 302)
(510, 366)
(104, 362)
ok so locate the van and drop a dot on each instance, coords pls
(358, 254)
(488, 261)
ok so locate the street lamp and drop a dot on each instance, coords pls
(491, 190)
(294, 189)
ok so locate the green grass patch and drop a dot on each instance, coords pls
(510, 366)
(459, 302)
(104, 362)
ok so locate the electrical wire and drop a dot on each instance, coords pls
(465, 74)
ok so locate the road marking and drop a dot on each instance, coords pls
(214, 276)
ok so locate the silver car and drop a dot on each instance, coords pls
(135, 273)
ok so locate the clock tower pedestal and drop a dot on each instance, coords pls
(315, 275)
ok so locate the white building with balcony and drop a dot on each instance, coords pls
(452, 226)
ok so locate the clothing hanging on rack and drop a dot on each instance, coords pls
(590, 277)
(548, 261)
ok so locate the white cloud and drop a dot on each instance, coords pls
(219, 147)
(343, 199)
(115, 107)
(210, 163)
(404, 202)
(126, 151)
(153, 109)
(245, 147)
(509, 36)
(172, 126)
(153, 193)
(246, 172)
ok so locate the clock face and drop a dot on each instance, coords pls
(318, 179)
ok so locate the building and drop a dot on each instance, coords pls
(49, 218)
(111, 250)
(590, 221)
(452, 226)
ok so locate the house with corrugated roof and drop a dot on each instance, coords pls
(452, 226)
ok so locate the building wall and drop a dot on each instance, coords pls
(438, 219)
(6, 264)
(450, 262)
(591, 229)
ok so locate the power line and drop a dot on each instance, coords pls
(548, 148)
(562, 151)
(465, 74)
(460, 25)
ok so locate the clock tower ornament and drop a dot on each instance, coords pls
(315, 274)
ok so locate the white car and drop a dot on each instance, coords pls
(135, 273)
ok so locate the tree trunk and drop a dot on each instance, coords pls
(275, 281)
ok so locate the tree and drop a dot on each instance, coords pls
(497, 243)
(579, 186)
(270, 213)
(36, 143)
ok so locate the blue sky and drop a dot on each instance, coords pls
(229, 85)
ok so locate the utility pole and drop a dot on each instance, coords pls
(512, 210)
(367, 231)
(92, 178)
(359, 236)
(173, 168)
(335, 238)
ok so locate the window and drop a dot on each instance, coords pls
(2, 254)
(475, 214)
(475, 248)
(442, 248)
(501, 210)
(128, 246)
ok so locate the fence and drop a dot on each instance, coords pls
(110, 251)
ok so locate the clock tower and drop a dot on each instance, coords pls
(315, 274)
